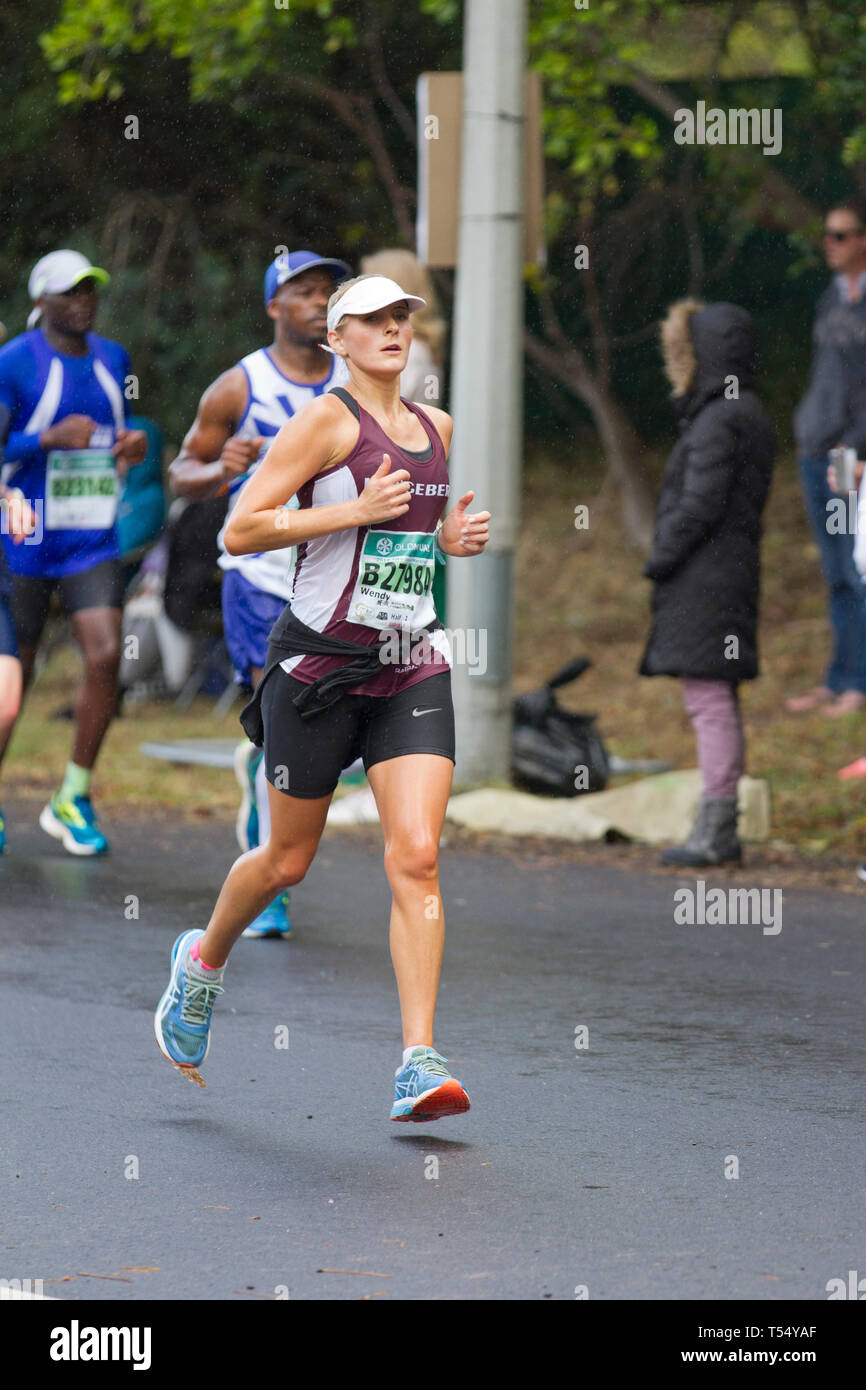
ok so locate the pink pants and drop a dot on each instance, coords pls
(714, 711)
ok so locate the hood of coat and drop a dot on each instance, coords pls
(704, 346)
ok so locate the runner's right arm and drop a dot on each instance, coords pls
(210, 456)
(72, 432)
(320, 435)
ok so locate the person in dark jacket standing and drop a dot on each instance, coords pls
(705, 561)
(833, 413)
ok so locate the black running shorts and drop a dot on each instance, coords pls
(304, 757)
(99, 587)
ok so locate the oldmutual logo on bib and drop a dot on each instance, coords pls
(384, 546)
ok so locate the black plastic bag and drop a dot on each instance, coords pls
(553, 752)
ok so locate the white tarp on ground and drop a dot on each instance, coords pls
(655, 810)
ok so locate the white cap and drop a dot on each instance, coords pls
(58, 272)
(376, 292)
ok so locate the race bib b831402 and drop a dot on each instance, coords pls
(80, 490)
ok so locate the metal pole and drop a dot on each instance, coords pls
(487, 379)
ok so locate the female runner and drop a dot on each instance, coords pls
(357, 665)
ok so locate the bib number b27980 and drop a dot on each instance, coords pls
(395, 579)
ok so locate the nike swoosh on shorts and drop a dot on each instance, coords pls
(434, 710)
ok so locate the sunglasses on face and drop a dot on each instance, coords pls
(839, 236)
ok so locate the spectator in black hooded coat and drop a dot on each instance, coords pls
(705, 561)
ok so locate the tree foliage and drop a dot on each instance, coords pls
(263, 126)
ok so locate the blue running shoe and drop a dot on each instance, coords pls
(2, 831)
(74, 823)
(183, 1014)
(246, 760)
(426, 1090)
(275, 920)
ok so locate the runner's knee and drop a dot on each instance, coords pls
(102, 653)
(412, 855)
(290, 866)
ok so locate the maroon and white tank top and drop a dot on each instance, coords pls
(373, 584)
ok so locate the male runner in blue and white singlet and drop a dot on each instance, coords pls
(67, 447)
(238, 418)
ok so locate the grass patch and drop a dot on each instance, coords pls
(42, 745)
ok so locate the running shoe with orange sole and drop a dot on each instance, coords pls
(425, 1089)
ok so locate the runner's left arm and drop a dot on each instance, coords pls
(463, 533)
(129, 450)
(130, 447)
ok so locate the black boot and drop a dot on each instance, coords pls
(713, 838)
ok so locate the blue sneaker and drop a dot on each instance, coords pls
(426, 1090)
(275, 920)
(74, 823)
(2, 831)
(247, 759)
(183, 1014)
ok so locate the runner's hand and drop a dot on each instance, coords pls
(464, 533)
(130, 449)
(386, 495)
(20, 516)
(238, 456)
(72, 433)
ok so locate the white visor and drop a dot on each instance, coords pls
(369, 295)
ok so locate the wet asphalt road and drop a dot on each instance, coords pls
(601, 1166)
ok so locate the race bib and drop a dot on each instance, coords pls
(395, 579)
(81, 488)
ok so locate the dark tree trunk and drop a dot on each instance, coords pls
(624, 449)
(622, 444)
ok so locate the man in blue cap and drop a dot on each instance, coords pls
(238, 417)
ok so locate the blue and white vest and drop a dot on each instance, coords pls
(273, 399)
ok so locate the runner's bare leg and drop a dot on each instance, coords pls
(256, 878)
(412, 796)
